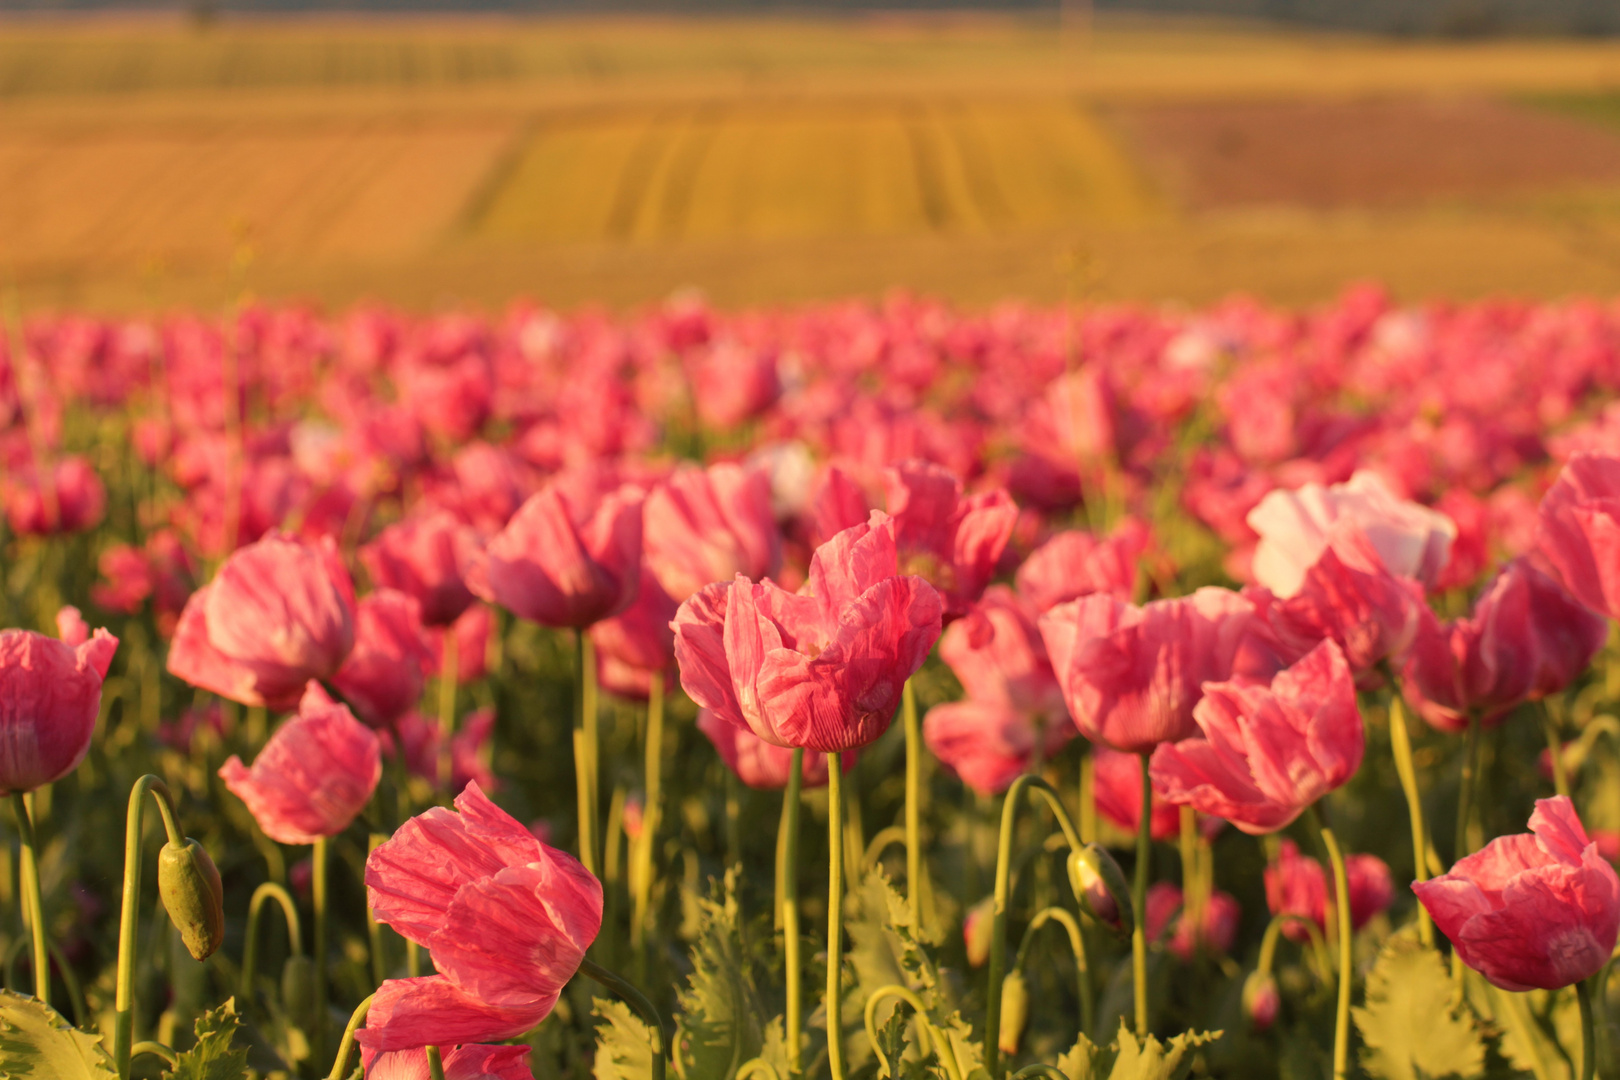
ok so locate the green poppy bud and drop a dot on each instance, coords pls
(1014, 1011)
(188, 883)
(1099, 885)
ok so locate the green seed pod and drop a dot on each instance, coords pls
(1099, 885)
(298, 990)
(188, 883)
(1014, 1011)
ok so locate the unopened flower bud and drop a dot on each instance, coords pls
(977, 929)
(188, 883)
(1261, 1000)
(298, 990)
(1099, 886)
(1014, 1011)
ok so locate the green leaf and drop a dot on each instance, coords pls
(1086, 1059)
(1151, 1059)
(623, 1042)
(214, 1057)
(1409, 1026)
(721, 1023)
(35, 1042)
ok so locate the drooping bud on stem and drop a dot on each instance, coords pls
(978, 930)
(1014, 1011)
(1261, 999)
(1099, 885)
(188, 883)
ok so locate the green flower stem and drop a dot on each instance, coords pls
(1555, 749)
(33, 905)
(914, 798)
(357, 1018)
(1139, 887)
(788, 905)
(998, 922)
(734, 853)
(435, 1063)
(1583, 992)
(449, 673)
(642, 872)
(835, 915)
(1077, 943)
(757, 1067)
(374, 931)
(637, 1001)
(1465, 790)
(1400, 742)
(124, 999)
(317, 878)
(941, 1046)
(250, 950)
(1088, 797)
(1341, 893)
(585, 747)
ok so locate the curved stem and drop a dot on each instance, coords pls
(757, 1067)
(1077, 943)
(33, 904)
(1341, 892)
(1268, 944)
(1400, 742)
(1139, 886)
(156, 1049)
(998, 921)
(941, 1048)
(881, 841)
(1583, 992)
(835, 915)
(357, 1018)
(914, 753)
(250, 949)
(788, 904)
(653, 780)
(637, 1001)
(584, 747)
(435, 1063)
(318, 893)
(124, 996)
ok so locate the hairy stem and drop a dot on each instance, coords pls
(788, 904)
(1139, 886)
(835, 915)
(33, 904)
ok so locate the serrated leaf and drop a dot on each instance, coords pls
(721, 1022)
(1409, 1026)
(35, 1042)
(1086, 1059)
(214, 1057)
(623, 1042)
(1151, 1059)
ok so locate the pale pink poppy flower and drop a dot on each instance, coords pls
(638, 642)
(951, 540)
(707, 525)
(423, 556)
(1578, 530)
(384, 674)
(1215, 931)
(50, 694)
(1075, 563)
(1298, 885)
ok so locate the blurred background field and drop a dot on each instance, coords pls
(145, 161)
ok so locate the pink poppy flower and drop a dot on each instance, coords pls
(1117, 792)
(760, 764)
(1296, 527)
(1578, 530)
(423, 556)
(1132, 675)
(951, 541)
(822, 668)
(473, 630)
(279, 613)
(71, 628)
(72, 499)
(565, 559)
(1526, 637)
(637, 642)
(709, 525)
(506, 918)
(422, 738)
(128, 579)
(50, 694)
(1299, 885)
(1216, 929)
(1534, 910)
(472, 1062)
(1075, 563)
(1268, 752)
(384, 674)
(313, 777)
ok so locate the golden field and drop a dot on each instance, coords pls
(430, 162)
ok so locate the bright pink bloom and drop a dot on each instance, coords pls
(822, 668)
(313, 777)
(506, 918)
(1526, 637)
(952, 542)
(423, 556)
(384, 674)
(1117, 792)
(71, 627)
(1534, 910)
(422, 739)
(732, 383)
(1075, 563)
(1268, 752)
(1296, 527)
(760, 764)
(1216, 930)
(707, 525)
(472, 1062)
(71, 500)
(50, 693)
(1132, 674)
(565, 559)
(638, 642)
(279, 613)
(1578, 529)
(1298, 885)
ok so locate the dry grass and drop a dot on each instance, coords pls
(144, 163)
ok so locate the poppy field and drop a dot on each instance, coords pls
(856, 690)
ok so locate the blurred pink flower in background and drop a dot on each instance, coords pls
(387, 668)
(470, 1062)
(1578, 530)
(638, 642)
(69, 499)
(760, 764)
(950, 540)
(50, 695)
(707, 525)
(1215, 931)
(1075, 563)
(423, 556)
(1298, 885)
